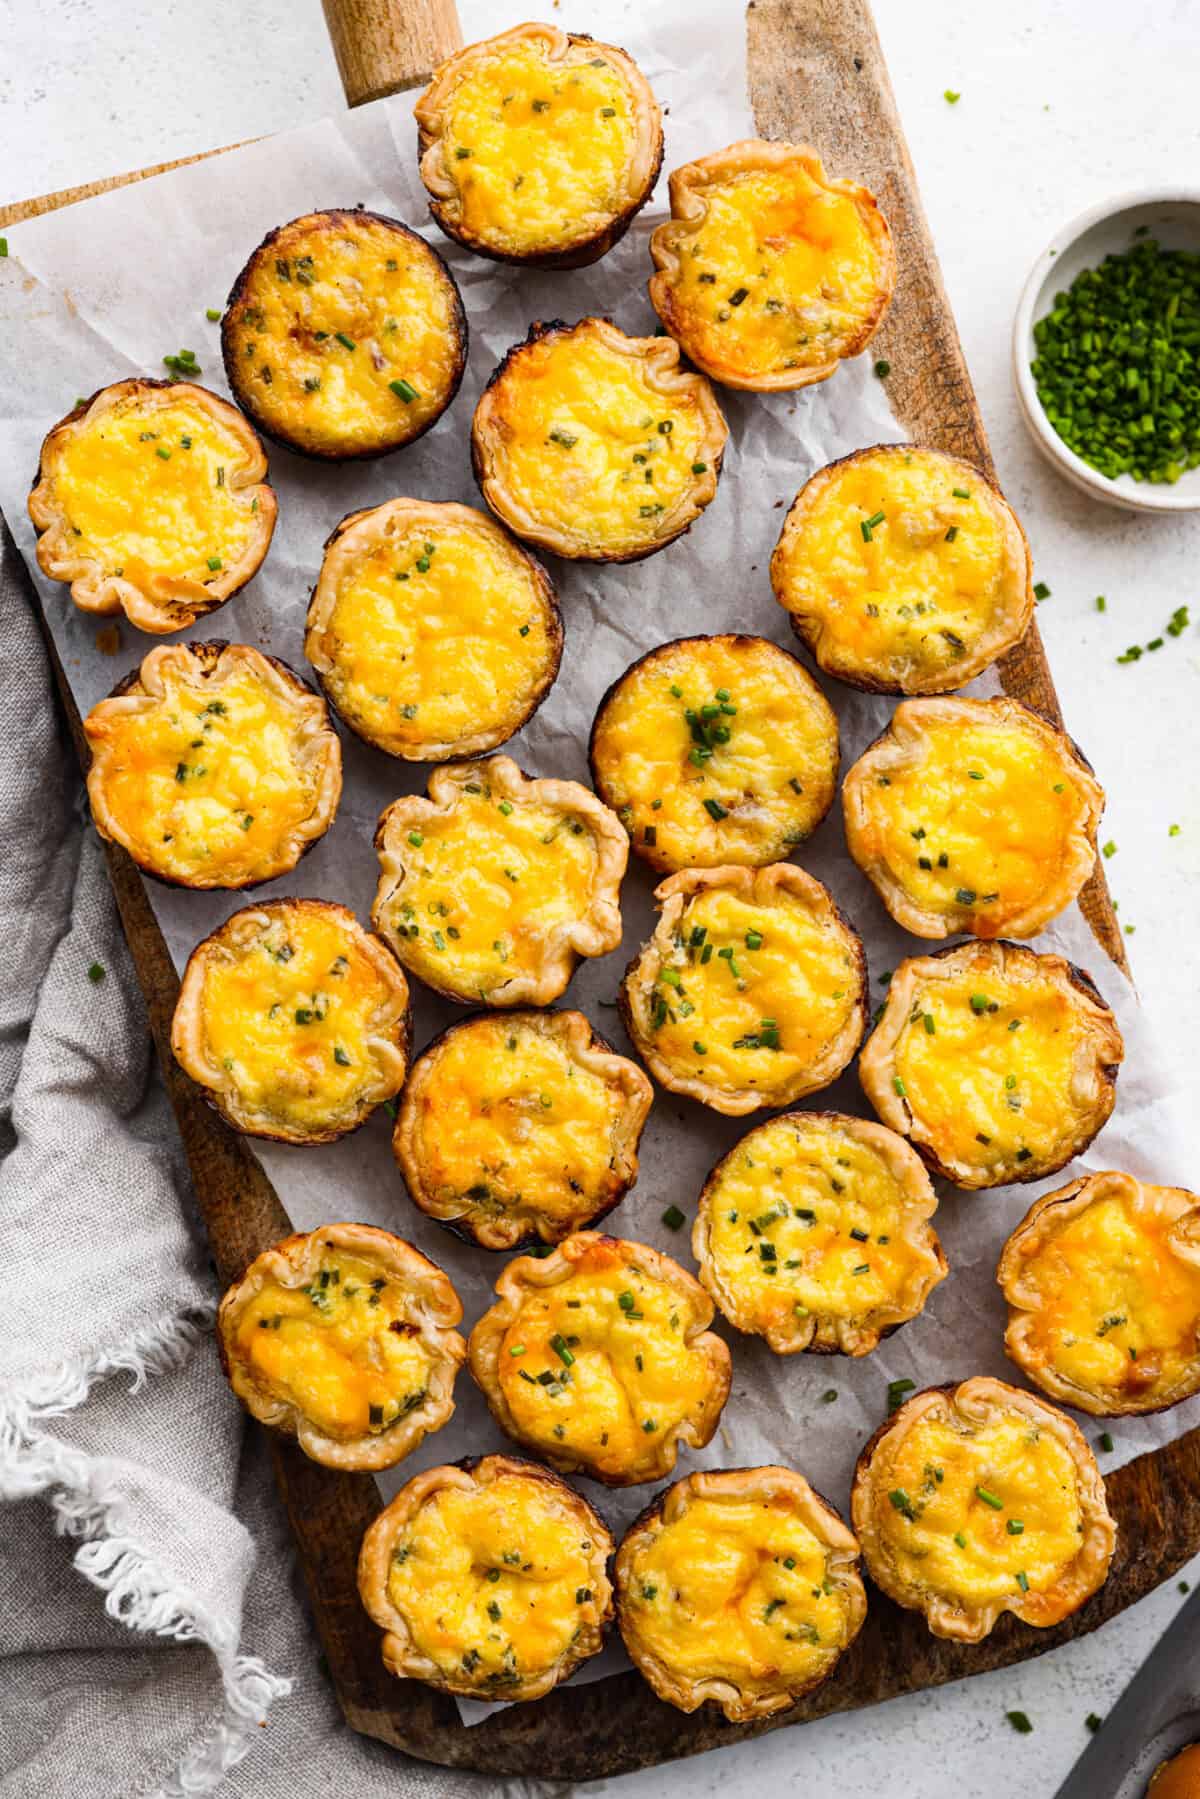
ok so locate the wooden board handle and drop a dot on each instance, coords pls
(385, 46)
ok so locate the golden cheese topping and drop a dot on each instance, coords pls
(898, 564)
(738, 1589)
(1178, 1778)
(598, 1364)
(492, 1581)
(485, 884)
(437, 632)
(716, 750)
(340, 1348)
(782, 274)
(987, 1067)
(538, 148)
(754, 992)
(979, 824)
(805, 1219)
(1112, 1308)
(205, 785)
(510, 1122)
(345, 335)
(979, 1512)
(145, 490)
(291, 1016)
(597, 458)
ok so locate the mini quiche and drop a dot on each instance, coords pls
(998, 1064)
(768, 272)
(600, 1359)
(344, 1339)
(904, 570)
(493, 887)
(344, 335)
(431, 631)
(489, 1579)
(752, 990)
(294, 1021)
(739, 1588)
(539, 146)
(597, 446)
(213, 766)
(972, 815)
(814, 1233)
(151, 500)
(715, 750)
(976, 1500)
(519, 1126)
(1178, 1777)
(1102, 1281)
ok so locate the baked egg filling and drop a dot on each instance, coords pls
(340, 1348)
(494, 1582)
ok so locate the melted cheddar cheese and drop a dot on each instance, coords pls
(978, 1512)
(739, 1589)
(716, 750)
(978, 824)
(1112, 1308)
(340, 1348)
(806, 1220)
(783, 273)
(987, 1067)
(753, 993)
(289, 1019)
(345, 336)
(144, 489)
(494, 1582)
(483, 887)
(597, 1368)
(594, 454)
(437, 633)
(538, 148)
(511, 1124)
(898, 565)
(205, 785)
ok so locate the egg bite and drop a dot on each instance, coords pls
(539, 146)
(492, 888)
(975, 1500)
(151, 499)
(432, 632)
(343, 1338)
(997, 1063)
(752, 990)
(213, 766)
(814, 1232)
(972, 815)
(769, 273)
(903, 570)
(599, 1358)
(597, 446)
(715, 750)
(738, 1588)
(294, 1021)
(517, 1127)
(344, 336)
(1102, 1280)
(489, 1579)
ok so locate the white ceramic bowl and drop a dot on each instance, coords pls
(1173, 217)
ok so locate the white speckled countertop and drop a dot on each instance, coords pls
(1062, 102)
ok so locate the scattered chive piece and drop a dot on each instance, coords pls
(1093, 1722)
(3, 246)
(896, 1391)
(1101, 603)
(416, 839)
(883, 368)
(1109, 849)
(1105, 1441)
(96, 973)
(164, 454)
(989, 1498)
(1041, 591)
(699, 468)
(715, 810)
(214, 562)
(346, 342)
(1015, 1527)
(404, 390)
(829, 1395)
(558, 1344)
(1023, 1580)
(672, 1218)
(901, 1501)
(898, 1086)
(212, 315)
(1020, 1722)
(950, 97)
(951, 534)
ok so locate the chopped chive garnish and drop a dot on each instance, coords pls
(1020, 1722)
(1106, 1441)
(403, 390)
(672, 1218)
(989, 1498)
(883, 369)
(1041, 591)
(96, 973)
(896, 1391)
(346, 342)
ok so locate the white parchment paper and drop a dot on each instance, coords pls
(104, 289)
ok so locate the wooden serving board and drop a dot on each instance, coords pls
(817, 75)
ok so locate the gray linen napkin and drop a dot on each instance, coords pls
(143, 1545)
